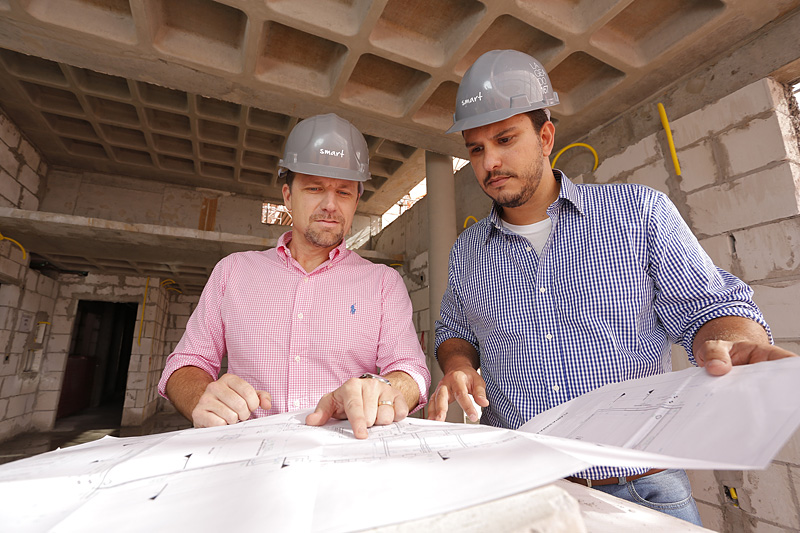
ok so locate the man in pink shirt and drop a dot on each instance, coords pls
(308, 323)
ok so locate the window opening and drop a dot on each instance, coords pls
(275, 214)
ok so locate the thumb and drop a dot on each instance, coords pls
(715, 356)
(479, 395)
(323, 412)
(264, 399)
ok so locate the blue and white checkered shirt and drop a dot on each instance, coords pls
(620, 278)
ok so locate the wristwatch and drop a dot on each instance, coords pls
(382, 379)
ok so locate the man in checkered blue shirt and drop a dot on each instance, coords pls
(564, 288)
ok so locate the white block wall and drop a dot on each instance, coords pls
(26, 397)
(740, 193)
(21, 168)
(149, 343)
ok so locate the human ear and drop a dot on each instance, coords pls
(548, 137)
(287, 197)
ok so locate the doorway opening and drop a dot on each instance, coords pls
(96, 376)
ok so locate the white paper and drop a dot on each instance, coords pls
(694, 420)
(274, 474)
(277, 474)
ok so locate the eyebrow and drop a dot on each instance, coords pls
(495, 136)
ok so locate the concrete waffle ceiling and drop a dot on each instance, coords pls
(203, 93)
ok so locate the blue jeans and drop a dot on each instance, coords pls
(668, 492)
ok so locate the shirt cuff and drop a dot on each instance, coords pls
(178, 361)
(744, 312)
(443, 334)
(419, 379)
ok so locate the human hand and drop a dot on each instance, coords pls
(364, 402)
(718, 356)
(457, 385)
(227, 401)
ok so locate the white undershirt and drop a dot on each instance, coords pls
(536, 233)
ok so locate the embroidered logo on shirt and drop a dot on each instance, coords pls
(353, 309)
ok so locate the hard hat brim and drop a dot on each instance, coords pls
(325, 171)
(490, 117)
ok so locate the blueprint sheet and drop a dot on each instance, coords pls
(274, 474)
(738, 421)
(277, 474)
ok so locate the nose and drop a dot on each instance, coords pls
(328, 202)
(491, 158)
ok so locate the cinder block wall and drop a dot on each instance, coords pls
(139, 201)
(180, 309)
(21, 168)
(149, 342)
(26, 297)
(738, 191)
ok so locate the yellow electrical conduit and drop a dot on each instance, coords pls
(24, 253)
(665, 122)
(573, 145)
(171, 282)
(467, 220)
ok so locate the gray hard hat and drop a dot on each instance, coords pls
(499, 85)
(328, 146)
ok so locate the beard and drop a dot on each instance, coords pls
(322, 237)
(529, 179)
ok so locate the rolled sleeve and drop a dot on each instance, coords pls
(203, 343)
(690, 289)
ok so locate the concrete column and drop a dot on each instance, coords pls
(441, 234)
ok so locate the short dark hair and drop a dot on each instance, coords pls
(289, 177)
(538, 118)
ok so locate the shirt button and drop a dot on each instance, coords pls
(305, 280)
(542, 290)
(296, 403)
(300, 315)
(297, 358)
(528, 249)
(548, 336)
(556, 388)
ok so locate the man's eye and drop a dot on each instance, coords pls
(475, 149)
(503, 140)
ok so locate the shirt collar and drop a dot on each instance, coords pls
(335, 255)
(569, 193)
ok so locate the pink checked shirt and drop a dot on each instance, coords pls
(300, 335)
